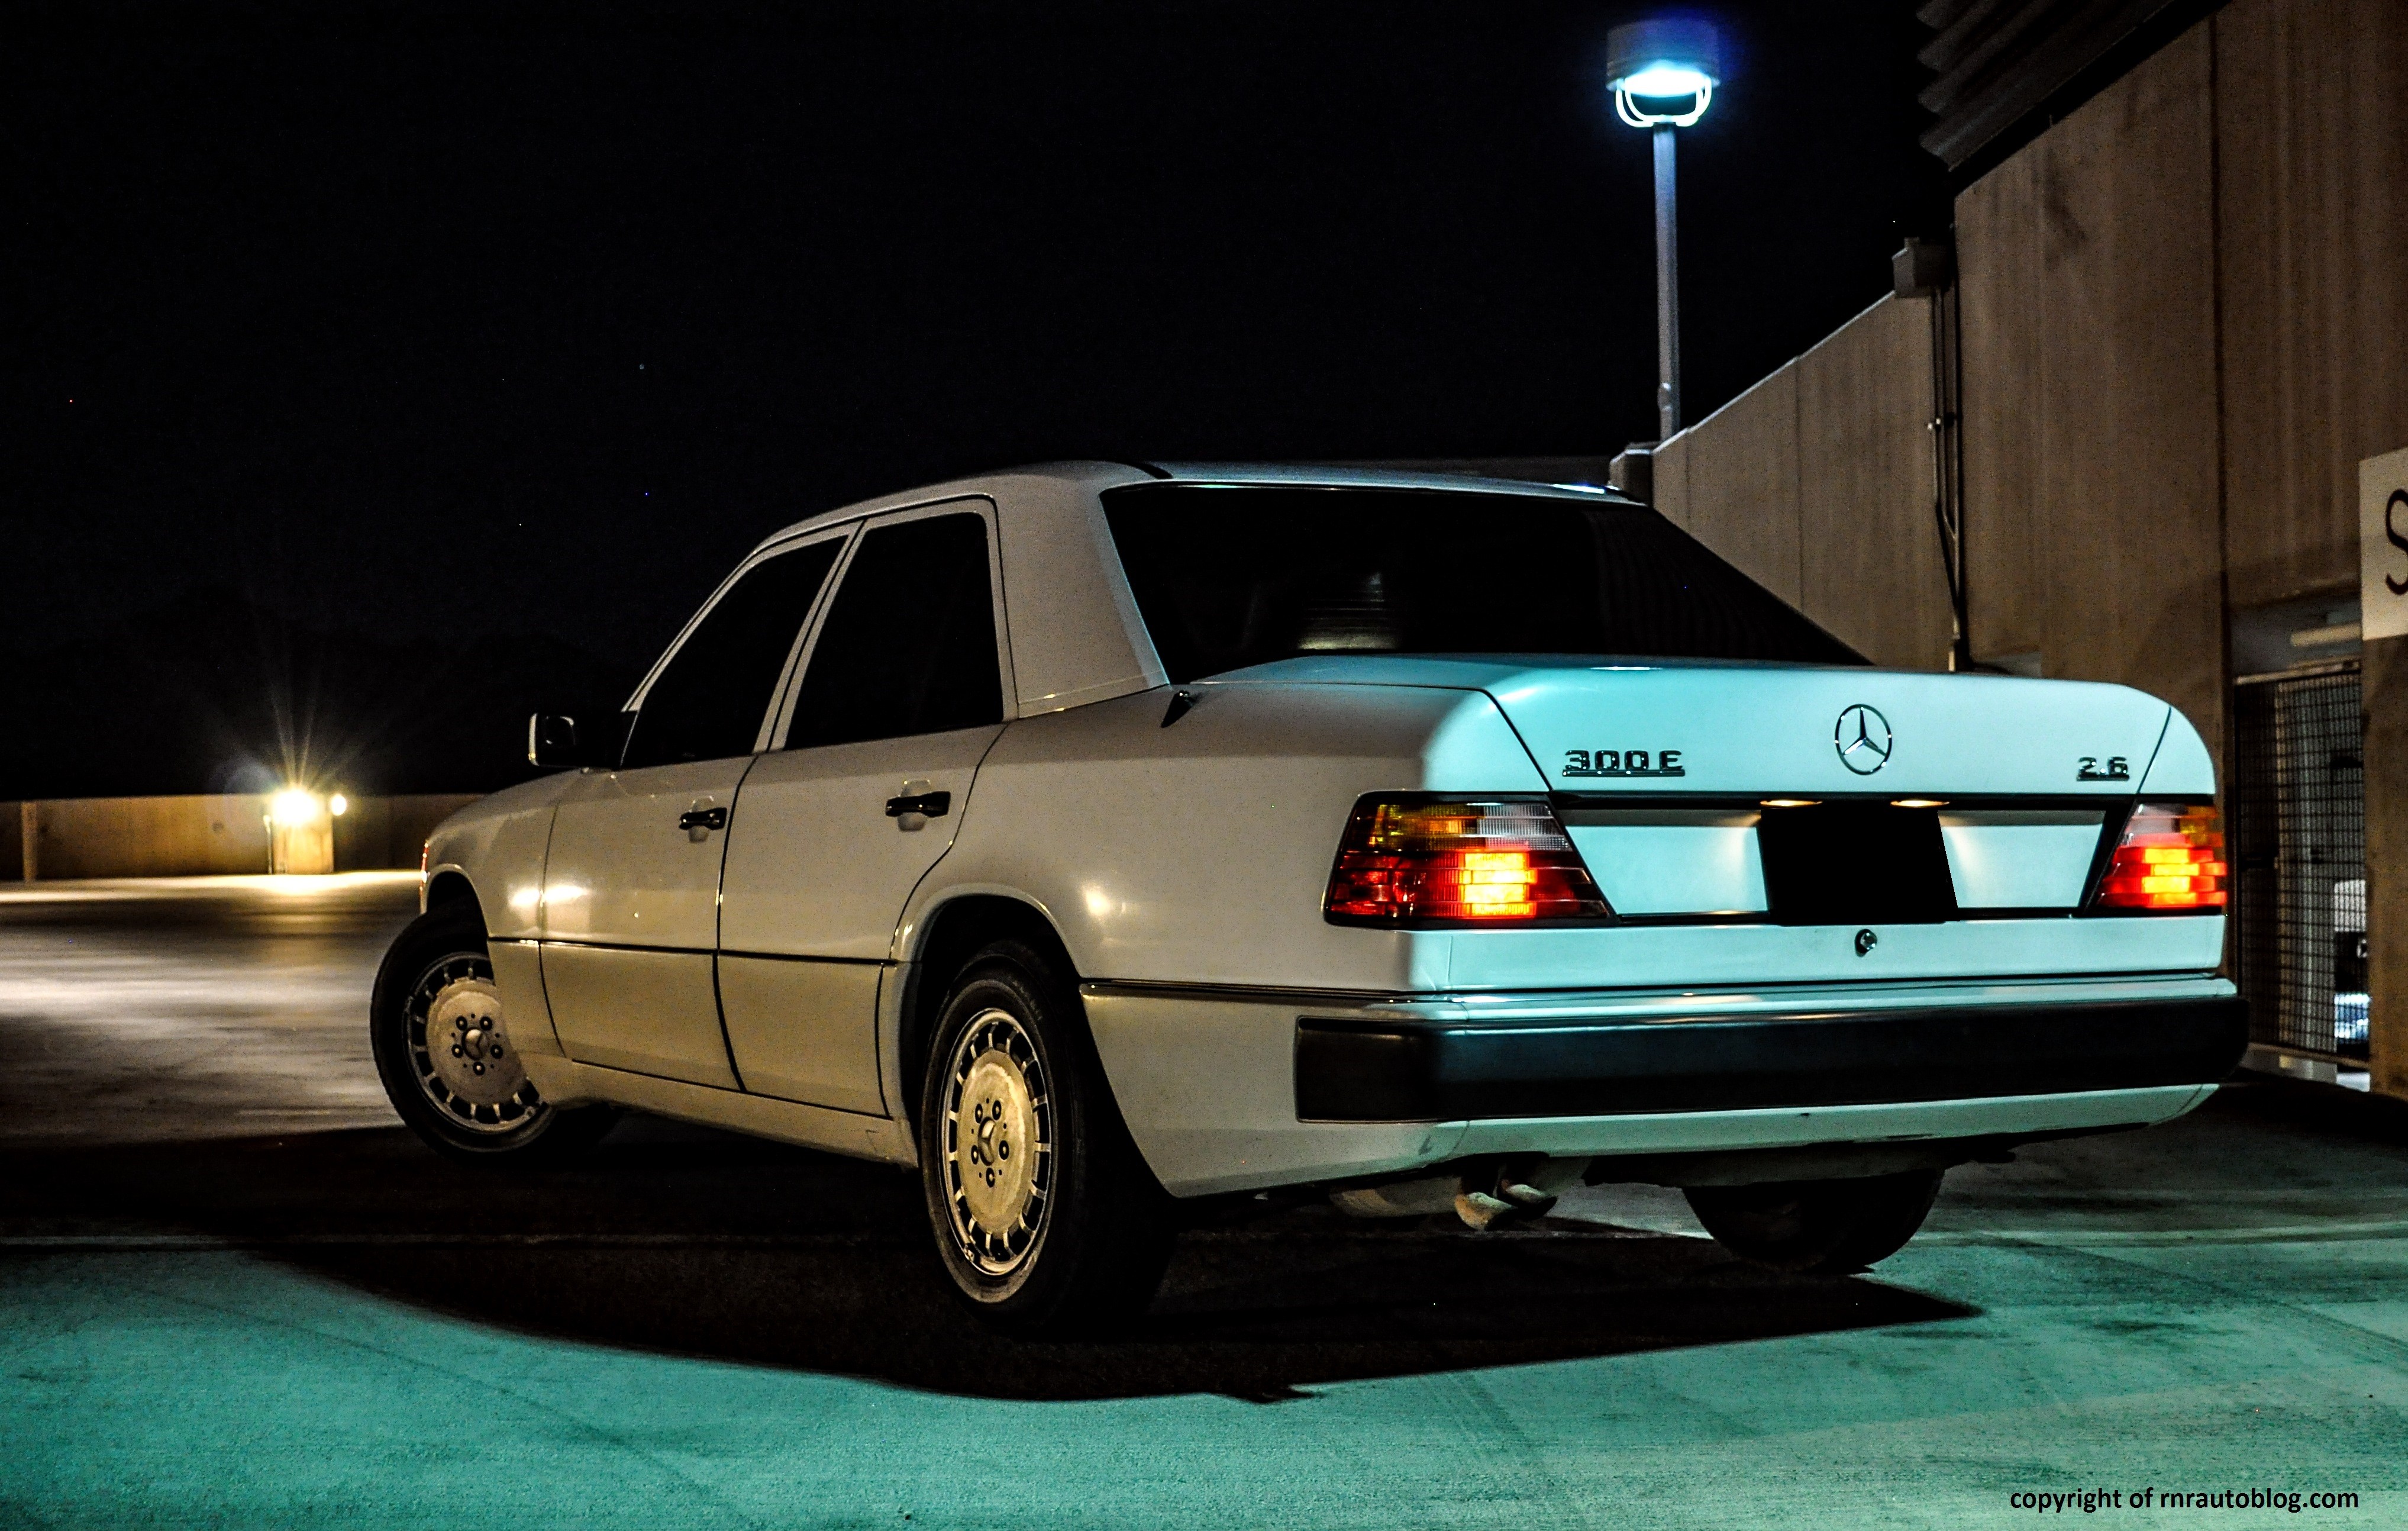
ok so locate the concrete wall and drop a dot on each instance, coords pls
(1818, 482)
(1869, 565)
(2092, 514)
(2185, 321)
(196, 836)
(390, 831)
(1732, 480)
(148, 837)
(2311, 133)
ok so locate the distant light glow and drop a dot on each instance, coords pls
(296, 806)
(289, 884)
(337, 803)
(1920, 802)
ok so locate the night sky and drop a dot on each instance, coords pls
(470, 336)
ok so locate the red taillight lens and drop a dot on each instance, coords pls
(2172, 857)
(1484, 860)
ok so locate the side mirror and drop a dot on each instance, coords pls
(552, 742)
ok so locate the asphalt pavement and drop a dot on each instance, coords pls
(234, 1290)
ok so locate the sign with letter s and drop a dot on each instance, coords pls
(2382, 543)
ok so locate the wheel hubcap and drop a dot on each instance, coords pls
(461, 1053)
(998, 1143)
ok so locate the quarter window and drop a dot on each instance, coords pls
(908, 645)
(708, 703)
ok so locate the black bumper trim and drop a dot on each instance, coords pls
(1452, 1070)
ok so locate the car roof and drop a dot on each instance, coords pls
(1074, 633)
(1098, 476)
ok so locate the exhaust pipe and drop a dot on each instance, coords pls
(1484, 1193)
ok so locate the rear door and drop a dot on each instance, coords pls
(631, 884)
(900, 695)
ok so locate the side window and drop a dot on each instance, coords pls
(908, 646)
(708, 703)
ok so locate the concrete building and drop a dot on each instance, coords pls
(2120, 435)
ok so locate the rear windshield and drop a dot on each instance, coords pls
(1234, 575)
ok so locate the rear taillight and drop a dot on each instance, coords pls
(2171, 857)
(1474, 859)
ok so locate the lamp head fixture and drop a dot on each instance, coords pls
(1663, 72)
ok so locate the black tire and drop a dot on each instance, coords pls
(1071, 1235)
(438, 966)
(1817, 1227)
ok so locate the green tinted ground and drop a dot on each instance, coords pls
(331, 1328)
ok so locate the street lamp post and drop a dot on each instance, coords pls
(1668, 288)
(1663, 74)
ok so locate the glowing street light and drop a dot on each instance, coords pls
(1663, 74)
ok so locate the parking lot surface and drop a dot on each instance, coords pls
(233, 1290)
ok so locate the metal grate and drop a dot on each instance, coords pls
(2298, 853)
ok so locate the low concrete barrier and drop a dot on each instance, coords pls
(204, 835)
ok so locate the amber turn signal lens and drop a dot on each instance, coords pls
(2171, 857)
(1485, 860)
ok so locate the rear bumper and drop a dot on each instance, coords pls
(1398, 1069)
(1206, 1077)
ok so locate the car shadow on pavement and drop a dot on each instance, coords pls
(689, 1242)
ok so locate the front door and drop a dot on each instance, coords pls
(899, 699)
(631, 884)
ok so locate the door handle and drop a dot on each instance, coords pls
(928, 804)
(698, 823)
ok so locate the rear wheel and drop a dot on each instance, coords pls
(1819, 1227)
(1045, 1215)
(446, 1057)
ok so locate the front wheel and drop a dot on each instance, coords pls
(1045, 1215)
(1817, 1227)
(446, 1060)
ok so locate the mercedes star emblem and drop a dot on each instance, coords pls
(1862, 739)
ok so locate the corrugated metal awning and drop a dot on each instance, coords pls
(2001, 62)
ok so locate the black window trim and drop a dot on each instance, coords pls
(790, 688)
(771, 714)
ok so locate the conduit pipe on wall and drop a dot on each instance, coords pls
(1926, 269)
